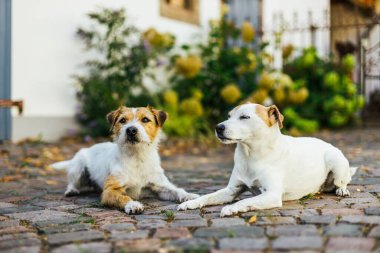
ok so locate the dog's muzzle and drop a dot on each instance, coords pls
(219, 129)
(132, 134)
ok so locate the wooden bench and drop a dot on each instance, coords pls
(10, 103)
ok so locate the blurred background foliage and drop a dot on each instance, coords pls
(206, 80)
(123, 56)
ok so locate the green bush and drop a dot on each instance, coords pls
(211, 78)
(206, 80)
(115, 76)
(333, 101)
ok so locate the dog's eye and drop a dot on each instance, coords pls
(145, 120)
(122, 120)
(244, 117)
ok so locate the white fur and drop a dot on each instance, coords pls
(283, 167)
(135, 165)
(133, 207)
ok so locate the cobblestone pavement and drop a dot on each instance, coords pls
(35, 217)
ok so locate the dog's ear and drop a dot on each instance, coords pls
(159, 116)
(274, 116)
(112, 117)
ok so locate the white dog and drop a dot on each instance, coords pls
(130, 167)
(282, 167)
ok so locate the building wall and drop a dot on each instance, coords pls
(273, 10)
(372, 55)
(46, 53)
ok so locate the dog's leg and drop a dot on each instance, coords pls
(73, 177)
(168, 191)
(263, 201)
(234, 189)
(222, 196)
(338, 163)
(75, 170)
(114, 195)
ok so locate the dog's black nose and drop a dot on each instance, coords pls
(131, 131)
(220, 128)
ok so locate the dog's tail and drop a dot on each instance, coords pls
(60, 165)
(353, 170)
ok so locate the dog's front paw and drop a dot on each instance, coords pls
(188, 196)
(71, 192)
(191, 204)
(342, 192)
(133, 207)
(231, 210)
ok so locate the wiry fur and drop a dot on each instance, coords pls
(283, 167)
(128, 168)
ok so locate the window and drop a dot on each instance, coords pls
(182, 10)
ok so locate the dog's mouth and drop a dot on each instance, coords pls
(222, 138)
(225, 139)
(132, 140)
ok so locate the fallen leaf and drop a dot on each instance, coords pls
(51, 182)
(253, 219)
(10, 178)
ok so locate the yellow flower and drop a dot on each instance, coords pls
(241, 69)
(170, 97)
(230, 93)
(285, 81)
(266, 81)
(167, 40)
(247, 32)
(248, 67)
(236, 50)
(224, 9)
(303, 94)
(299, 96)
(158, 40)
(287, 51)
(252, 61)
(259, 96)
(295, 132)
(279, 95)
(197, 94)
(266, 58)
(189, 66)
(191, 106)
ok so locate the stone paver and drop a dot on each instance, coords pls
(172, 233)
(243, 243)
(36, 217)
(77, 236)
(42, 215)
(98, 247)
(343, 230)
(292, 230)
(350, 244)
(299, 242)
(129, 235)
(227, 222)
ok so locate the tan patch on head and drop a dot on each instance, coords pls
(270, 115)
(151, 127)
(150, 118)
(156, 120)
(116, 118)
(262, 112)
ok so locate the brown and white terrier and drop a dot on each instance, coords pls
(128, 168)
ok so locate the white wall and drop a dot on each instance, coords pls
(46, 52)
(272, 8)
